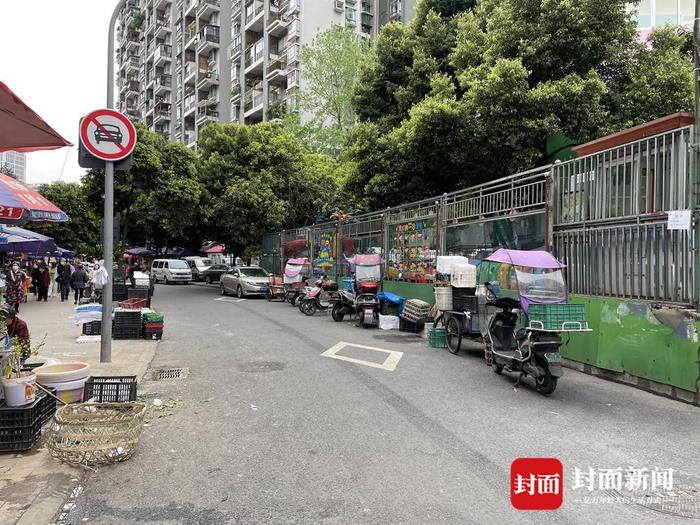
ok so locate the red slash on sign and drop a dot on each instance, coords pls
(107, 135)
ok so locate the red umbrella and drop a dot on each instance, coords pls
(19, 203)
(23, 130)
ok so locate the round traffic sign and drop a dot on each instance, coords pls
(107, 134)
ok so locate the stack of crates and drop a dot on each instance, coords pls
(92, 328)
(153, 324)
(127, 324)
(415, 310)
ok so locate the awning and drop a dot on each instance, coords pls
(219, 248)
(139, 251)
(63, 253)
(21, 129)
(19, 203)
(19, 240)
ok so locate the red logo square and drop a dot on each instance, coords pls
(536, 483)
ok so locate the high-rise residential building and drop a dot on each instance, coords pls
(654, 13)
(16, 162)
(182, 63)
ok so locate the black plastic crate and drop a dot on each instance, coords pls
(126, 334)
(14, 417)
(463, 299)
(413, 327)
(48, 406)
(138, 293)
(111, 389)
(92, 328)
(17, 439)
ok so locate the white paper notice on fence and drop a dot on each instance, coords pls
(678, 220)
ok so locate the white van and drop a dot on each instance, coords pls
(171, 271)
(198, 265)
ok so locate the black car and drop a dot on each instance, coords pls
(108, 133)
(214, 273)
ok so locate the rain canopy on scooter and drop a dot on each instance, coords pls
(368, 267)
(294, 268)
(531, 277)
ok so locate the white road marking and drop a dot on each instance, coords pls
(227, 300)
(389, 363)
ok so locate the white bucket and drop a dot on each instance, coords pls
(69, 391)
(20, 390)
(443, 297)
(426, 330)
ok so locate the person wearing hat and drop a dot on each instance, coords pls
(15, 326)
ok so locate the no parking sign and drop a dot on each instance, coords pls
(107, 135)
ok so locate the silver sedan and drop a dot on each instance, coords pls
(244, 281)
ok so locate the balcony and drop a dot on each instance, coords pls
(163, 84)
(367, 8)
(235, 50)
(163, 54)
(161, 4)
(277, 24)
(236, 9)
(235, 91)
(190, 138)
(190, 6)
(277, 71)
(190, 72)
(254, 16)
(161, 113)
(132, 88)
(253, 103)
(293, 7)
(133, 63)
(207, 78)
(190, 103)
(206, 7)
(208, 38)
(190, 36)
(254, 57)
(162, 27)
(206, 114)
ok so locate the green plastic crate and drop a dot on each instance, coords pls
(560, 317)
(437, 338)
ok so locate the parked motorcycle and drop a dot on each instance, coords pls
(344, 305)
(322, 297)
(522, 335)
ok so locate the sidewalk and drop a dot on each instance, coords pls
(33, 485)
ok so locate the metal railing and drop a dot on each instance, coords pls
(253, 9)
(636, 261)
(640, 178)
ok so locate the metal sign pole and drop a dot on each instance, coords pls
(107, 238)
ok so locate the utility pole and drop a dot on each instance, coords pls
(108, 223)
(696, 73)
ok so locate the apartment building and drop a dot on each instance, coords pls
(653, 13)
(182, 63)
(16, 162)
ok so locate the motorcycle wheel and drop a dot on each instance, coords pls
(268, 296)
(497, 368)
(546, 384)
(308, 308)
(453, 333)
(337, 313)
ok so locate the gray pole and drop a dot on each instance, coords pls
(696, 65)
(108, 223)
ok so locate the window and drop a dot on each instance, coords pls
(643, 13)
(666, 12)
(179, 265)
(293, 78)
(351, 15)
(687, 14)
(293, 53)
(165, 264)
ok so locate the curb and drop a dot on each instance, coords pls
(654, 387)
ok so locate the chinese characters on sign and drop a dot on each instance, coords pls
(631, 479)
(536, 483)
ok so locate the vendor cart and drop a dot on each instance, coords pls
(296, 275)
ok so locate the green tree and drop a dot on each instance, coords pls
(330, 66)
(80, 234)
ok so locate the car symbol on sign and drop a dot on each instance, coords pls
(108, 133)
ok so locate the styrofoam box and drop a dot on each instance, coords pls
(388, 322)
(464, 276)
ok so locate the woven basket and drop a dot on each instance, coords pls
(96, 433)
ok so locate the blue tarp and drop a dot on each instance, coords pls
(393, 299)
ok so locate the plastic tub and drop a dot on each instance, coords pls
(61, 373)
(19, 390)
(68, 391)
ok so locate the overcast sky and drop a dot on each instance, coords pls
(53, 56)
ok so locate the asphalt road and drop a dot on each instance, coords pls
(266, 430)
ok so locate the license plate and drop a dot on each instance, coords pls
(263, 288)
(553, 357)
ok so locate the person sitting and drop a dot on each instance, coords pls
(16, 328)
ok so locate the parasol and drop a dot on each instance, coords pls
(19, 203)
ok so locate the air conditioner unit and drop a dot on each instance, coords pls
(340, 5)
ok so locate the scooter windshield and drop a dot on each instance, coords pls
(540, 285)
(368, 273)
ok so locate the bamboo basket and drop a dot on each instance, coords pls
(96, 433)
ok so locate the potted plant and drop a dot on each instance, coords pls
(19, 386)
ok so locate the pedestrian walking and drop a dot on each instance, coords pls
(34, 274)
(15, 279)
(64, 280)
(78, 280)
(43, 281)
(53, 270)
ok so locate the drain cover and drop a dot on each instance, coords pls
(170, 373)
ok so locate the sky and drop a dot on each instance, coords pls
(53, 55)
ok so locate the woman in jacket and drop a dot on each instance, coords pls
(64, 280)
(15, 278)
(43, 281)
(78, 280)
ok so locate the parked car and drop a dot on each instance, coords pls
(171, 271)
(197, 265)
(244, 280)
(213, 273)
